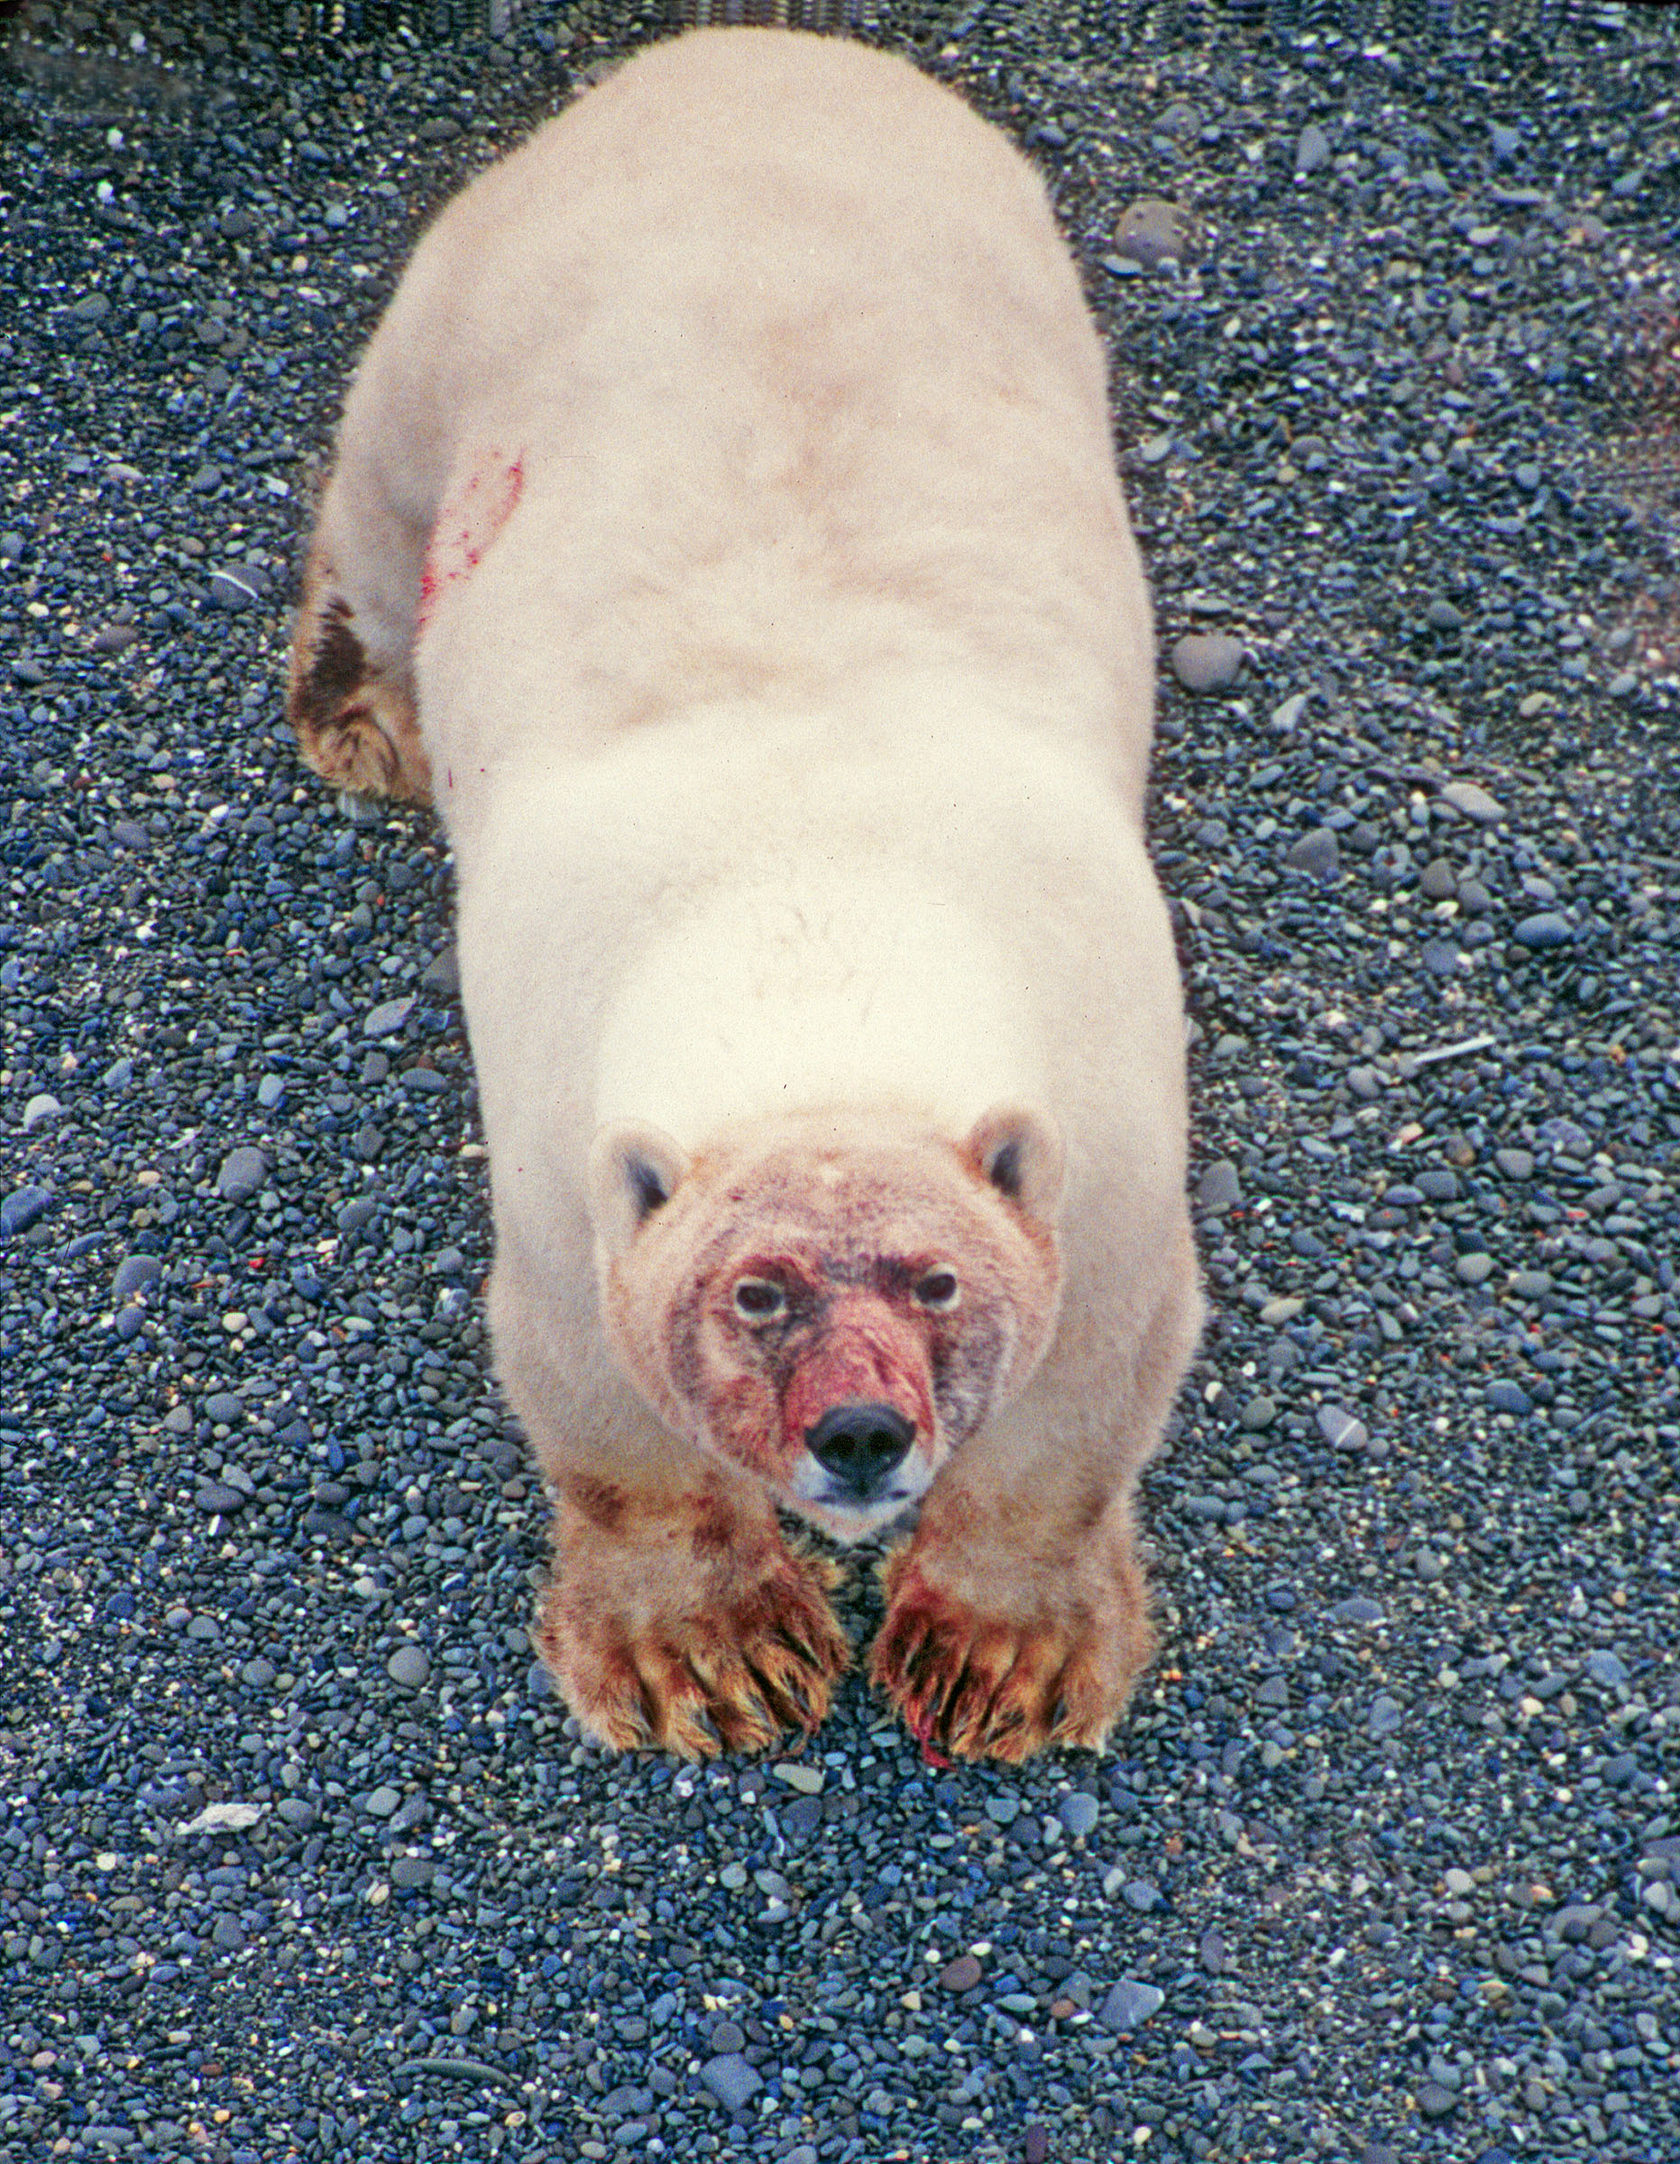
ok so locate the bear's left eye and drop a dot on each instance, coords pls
(938, 1290)
(758, 1300)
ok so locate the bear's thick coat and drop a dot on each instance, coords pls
(725, 536)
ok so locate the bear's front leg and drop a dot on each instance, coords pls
(1006, 1632)
(682, 1620)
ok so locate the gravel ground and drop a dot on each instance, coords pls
(297, 1857)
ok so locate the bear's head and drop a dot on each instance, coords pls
(831, 1303)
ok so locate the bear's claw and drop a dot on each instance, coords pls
(974, 1686)
(760, 1661)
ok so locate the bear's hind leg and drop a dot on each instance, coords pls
(682, 1620)
(350, 694)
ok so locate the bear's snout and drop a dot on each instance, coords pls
(862, 1445)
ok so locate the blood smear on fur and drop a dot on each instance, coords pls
(473, 514)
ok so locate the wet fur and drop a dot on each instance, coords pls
(790, 716)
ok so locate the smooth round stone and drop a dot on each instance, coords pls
(1508, 1397)
(1530, 1284)
(408, 1872)
(1259, 1413)
(1316, 852)
(1439, 1184)
(731, 2080)
(242, 1174)
(1440, 957)
(43, 1106)
(1606, 1669)
(1206, 661)
(229, 1935)
(1442, 616)
(1154, 230)
(1078, 1813)
(380, 1802)
(1384, 1717)
(1547, 928)
(1341, 1429)
(1312, 149)
(960, 1975)
(1473, 1269)
(1515, 1164)
(1473, 802)
(410, 1667)
(134, 1274)
(224, 1408)
(24, 1208)
(1439, 882)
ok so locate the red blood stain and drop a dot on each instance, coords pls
(866, 1355)
(473, 513)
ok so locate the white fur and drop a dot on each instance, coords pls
(792, 733)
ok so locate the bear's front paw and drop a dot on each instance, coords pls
(730, 1666)
(979, 1677)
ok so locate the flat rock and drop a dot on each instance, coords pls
(1473, 802)
(388, 1017)
(1546, 928)
(1129, 2005)
(962, 1974)
(1219, 1189)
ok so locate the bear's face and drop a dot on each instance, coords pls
(831, 1309)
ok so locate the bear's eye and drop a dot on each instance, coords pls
(938, 1289)
(758, 1300)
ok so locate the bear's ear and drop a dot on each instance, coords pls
(1020, 1152)
(633, 1171)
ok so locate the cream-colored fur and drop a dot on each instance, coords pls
(784, 679)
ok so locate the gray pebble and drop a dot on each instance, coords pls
(1316, 852)
(1129, 2004)
(1473, 802)
(1078, 1813)
(134, 1274)
(731, 2080)
(1312, 148)
(1341, 1429)
(41, 1108)
(387, 1019)
(1208, 660)
(242, 1174)
(23, 1208)
(1154, 230)
(1219, 1189)
(1384, 1717)
(1547, 928)
(409, 1666)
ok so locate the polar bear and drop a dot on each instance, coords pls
(725, 537)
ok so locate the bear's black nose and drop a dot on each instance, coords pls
(860, 1444)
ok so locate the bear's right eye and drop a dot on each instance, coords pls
(758, 1300)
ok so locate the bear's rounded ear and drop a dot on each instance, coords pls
(633, 1171)
(1020, 1152)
